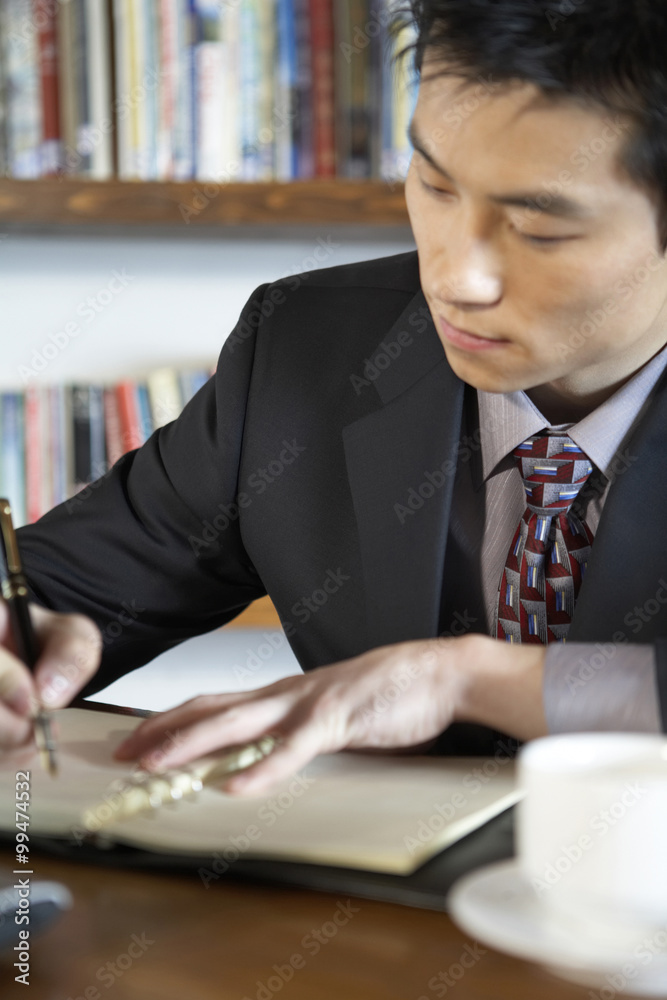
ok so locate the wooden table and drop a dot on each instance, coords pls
(152, 936)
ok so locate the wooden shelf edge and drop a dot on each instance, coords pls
(68, 201)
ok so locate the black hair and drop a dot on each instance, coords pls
(608, 53)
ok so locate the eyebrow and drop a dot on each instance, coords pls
(557, 205)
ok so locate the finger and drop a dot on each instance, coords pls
(15, 730)
(17, 688)
(238, 726)
(71, 649)
(292, 753)
(165, 728)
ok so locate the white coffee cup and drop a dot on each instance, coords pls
(592, 831)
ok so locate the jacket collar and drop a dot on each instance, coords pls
(401, 462)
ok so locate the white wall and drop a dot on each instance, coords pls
(181, 297)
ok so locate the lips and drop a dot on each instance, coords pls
(468, 341)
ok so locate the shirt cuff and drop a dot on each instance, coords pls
(601, 686)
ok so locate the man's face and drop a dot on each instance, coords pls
(531, 236)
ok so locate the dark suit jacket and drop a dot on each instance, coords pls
(332, 398)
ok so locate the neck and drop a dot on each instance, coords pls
(561, 407)
(570, 400)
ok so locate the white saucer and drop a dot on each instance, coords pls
(499, 907)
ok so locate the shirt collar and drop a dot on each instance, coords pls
(507, 419)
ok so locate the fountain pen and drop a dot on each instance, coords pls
(15, 593)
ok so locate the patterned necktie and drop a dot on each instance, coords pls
(549, 553)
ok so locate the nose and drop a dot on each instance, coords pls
(468, 274)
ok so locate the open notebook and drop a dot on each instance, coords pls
(379, 813)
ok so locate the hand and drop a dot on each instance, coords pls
(394, 696)
(71, 648)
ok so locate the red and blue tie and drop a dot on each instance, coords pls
(550, 550)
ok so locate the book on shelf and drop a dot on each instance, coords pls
(255, 90)
(56, 439)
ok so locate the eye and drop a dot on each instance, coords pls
(545, 239)
(433, 190)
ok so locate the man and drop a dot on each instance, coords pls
(418, 457)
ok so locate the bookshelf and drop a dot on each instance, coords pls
(72, 201)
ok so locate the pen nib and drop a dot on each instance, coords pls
(46, 744)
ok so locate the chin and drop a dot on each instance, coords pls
(483, 376)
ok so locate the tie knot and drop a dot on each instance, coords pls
(553, 470)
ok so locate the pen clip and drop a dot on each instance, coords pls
(10, 550)
(15, 592)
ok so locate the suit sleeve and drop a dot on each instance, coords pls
(606, 687)
(152, 551)
(661, 680)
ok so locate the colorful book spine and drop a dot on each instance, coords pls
(80, 402)
(12, 457)
(99, 135)
(60, 444)
(400, 100)
(98, 451)
(210, 81)
(55, 440)
(4, 151)
(268, 121)
(324, 112)
(67, 96)
(249, 90)
(285, 92)
(51, 153)
(164, 395)
(144, 411)
(184, 127)
(24, 105)
(302, 124)
(168, 87)
(34, 470)
(112, 426)
(82, 123)
(128, 412)
(122, 94)
(149, 87)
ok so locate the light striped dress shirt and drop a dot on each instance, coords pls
(488, 502)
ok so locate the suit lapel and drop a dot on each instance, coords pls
(402, 514)
(625, 588)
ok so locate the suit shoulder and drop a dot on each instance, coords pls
(398, 271)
